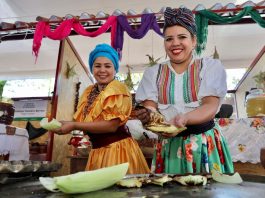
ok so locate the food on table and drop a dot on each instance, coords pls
(160, 180)
(130, 182)
(139, 181)
(191, 180)
(86, 181)
(228, 179)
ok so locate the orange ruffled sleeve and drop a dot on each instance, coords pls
(113, 102)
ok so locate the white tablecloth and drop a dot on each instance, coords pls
(16, 145)
(245, 138)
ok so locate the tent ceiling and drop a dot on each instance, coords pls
(237, 45)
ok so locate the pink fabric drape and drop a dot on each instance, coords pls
(64, 30)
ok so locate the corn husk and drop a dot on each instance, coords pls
(228, 179)
(52, 125)
(86, 181)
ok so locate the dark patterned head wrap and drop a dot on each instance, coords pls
(182, 17)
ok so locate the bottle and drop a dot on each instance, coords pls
(255, 103)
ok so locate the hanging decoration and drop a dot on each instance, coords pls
(120, 23)
(148, 21)
(77, 88)
(70, 70)
(203, 16)
(216, 54)
(128, 81)
(64, 30)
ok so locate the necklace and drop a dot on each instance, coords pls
(92, 97)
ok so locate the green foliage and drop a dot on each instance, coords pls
(235, 80)
(152, 60)
(3, 99)
(260, 79)
(70, 70)
(2, 84)
(128, 81)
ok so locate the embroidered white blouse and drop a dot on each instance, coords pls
(213, 83)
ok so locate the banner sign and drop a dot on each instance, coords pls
(30, 109)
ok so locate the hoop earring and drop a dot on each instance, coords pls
(194, 53)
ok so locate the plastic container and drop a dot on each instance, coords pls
(255, 103)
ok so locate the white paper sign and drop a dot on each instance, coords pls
(30, 108)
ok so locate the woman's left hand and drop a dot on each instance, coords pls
(179, 121)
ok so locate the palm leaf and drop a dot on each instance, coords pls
(152, 60)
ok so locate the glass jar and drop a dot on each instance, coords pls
(255, 103)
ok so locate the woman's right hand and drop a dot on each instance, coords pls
(143, 115)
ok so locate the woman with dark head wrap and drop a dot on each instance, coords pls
(188, 92)
(102, 112)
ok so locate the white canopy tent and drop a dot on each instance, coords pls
(237, 45)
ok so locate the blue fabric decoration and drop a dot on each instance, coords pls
(104, 50)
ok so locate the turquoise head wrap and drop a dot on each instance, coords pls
(104, 50)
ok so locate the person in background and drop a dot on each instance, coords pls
(102, 112)
(188, 92)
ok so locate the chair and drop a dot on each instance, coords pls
(225, 111)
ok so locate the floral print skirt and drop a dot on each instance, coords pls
(193, 154)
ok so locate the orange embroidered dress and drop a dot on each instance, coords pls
(112, 102)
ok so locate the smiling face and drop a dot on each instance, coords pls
(179, 44)
(103, 70)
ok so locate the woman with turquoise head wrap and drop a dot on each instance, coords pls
(104, 50)
(102, 112)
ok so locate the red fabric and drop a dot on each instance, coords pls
(159, 160)
(188, 152)
(219, 146)
(61, 32)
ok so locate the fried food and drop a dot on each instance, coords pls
(160, 180)
(130, 183)
(191, 180)
(157, 123)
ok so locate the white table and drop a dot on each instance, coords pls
(16, 144)
(245, 138)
